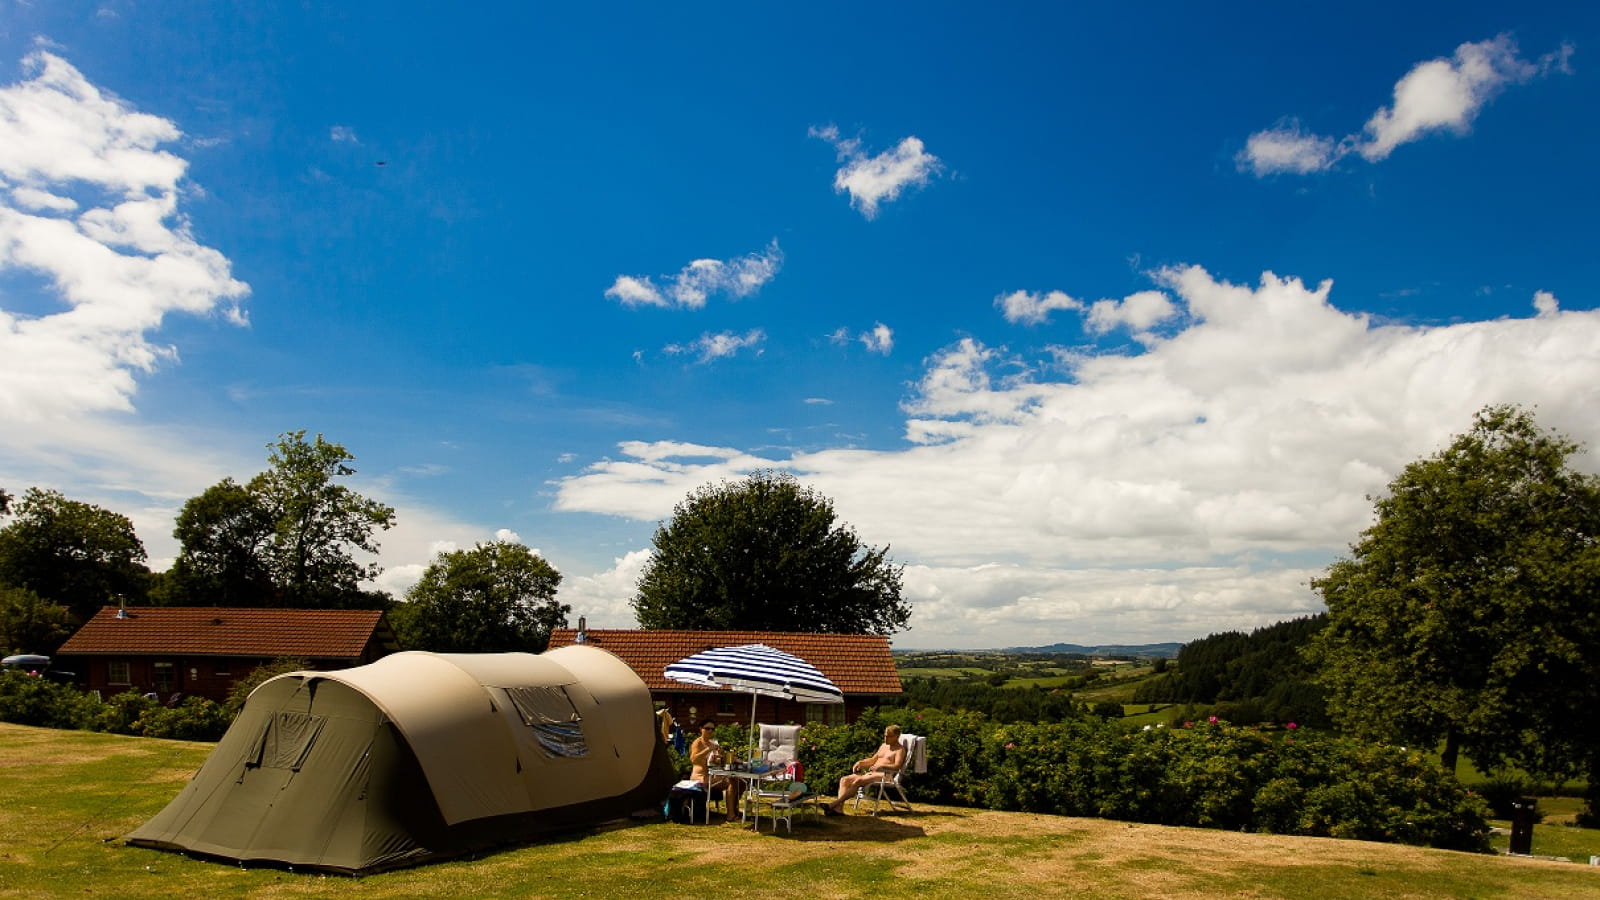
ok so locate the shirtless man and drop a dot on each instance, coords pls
(888, 760)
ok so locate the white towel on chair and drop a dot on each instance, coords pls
(916, 753)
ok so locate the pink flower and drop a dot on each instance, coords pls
(1212, 720)
(1011, 746)
(1291, 726)
(1188, 724)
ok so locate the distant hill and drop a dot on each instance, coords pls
(1149, 651)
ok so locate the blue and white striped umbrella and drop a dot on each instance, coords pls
(759, 669)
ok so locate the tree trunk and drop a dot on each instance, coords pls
(1452, 750)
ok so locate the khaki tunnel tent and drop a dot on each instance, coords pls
(420, 756)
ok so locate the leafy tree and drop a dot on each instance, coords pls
(766, 553)
(317, 523)
(72, 553)
(286, 538)
(29, 623)
(225, 534)
(5, 502)
(496, 597)
(1468, 612)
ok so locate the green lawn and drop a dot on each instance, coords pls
(67, 797)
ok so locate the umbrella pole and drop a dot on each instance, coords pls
(753, 698)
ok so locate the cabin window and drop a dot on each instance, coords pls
(117, 673)
(826, 713)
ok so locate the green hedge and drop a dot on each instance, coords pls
(31, 700)
(1210, 775)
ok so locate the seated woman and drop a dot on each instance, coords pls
(889, 759)
(704, 753)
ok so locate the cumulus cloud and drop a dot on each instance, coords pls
(1028, 308)
(1436, 95)
(710, 347)
(1196, 479)
(700, 279)
(343, 134)
(871, 180)
(1139, 312)
(89, 206)
(605, 599)
(1545, 303)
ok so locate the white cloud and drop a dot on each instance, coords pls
(36, 199)
(118, 267)
(871, 180)
(1545, 303)
(1290, 149)
(711, 347)
(879, 339)
(1028, 605)
(1195, 482)
(343, 134)
(700, 279)
(1028, 308)
(1436, 95)
(1139, 312)
(605, 599)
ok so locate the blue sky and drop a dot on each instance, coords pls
(1107, 321)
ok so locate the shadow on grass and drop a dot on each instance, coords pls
(852, 828)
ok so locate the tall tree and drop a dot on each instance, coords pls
(1469, 612)
(767, 553)
(286, 538)
(496, 597)
(317, 523)
(72, 553)
(224, 535)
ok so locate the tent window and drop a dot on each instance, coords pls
(286, 741)
(553, 718)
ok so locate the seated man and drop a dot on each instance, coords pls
(704, 753)
(889, 759)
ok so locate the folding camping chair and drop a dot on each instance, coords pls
(782, 798)
(891, 789)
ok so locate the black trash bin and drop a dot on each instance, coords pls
(1523, 812)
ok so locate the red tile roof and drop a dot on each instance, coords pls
(857, 663)
(229, 631)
